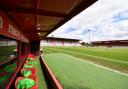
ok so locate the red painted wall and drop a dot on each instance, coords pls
(9, 29)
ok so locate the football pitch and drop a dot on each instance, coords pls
(89, 67)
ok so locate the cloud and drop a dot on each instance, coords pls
(70, 29)
(121, 16)
(107, 20)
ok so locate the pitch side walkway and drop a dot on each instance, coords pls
(73, 73)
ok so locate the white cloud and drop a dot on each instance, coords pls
(107, 20)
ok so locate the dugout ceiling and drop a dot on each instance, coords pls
(38, 18)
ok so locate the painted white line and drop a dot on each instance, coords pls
(103, 67)
(93, 56)
(100, 50)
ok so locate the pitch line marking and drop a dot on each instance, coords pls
(99, 66)
(94, 56)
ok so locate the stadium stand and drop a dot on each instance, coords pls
(52, 41)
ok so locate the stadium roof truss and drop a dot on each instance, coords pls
(38, 18)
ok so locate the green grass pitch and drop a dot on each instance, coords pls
(71, 67)
(115, 58)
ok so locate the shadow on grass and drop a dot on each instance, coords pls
(45, 76)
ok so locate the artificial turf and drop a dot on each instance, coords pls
(76, 74)
(115, 58)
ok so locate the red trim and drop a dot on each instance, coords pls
(52, 75)
(14, 33)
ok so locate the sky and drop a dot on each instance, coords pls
(106, 20)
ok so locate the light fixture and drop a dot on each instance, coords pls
(38, 28)
(38, 33)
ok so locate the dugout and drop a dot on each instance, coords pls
(23, 23)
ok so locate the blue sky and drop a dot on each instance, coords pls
(107, 20)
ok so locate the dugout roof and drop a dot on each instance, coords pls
(38, 18)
